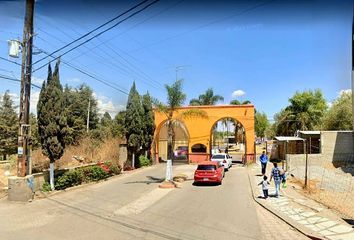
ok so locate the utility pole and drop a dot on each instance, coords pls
(23, 160)
(88, 116)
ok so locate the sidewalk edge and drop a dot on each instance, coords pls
(287, 221)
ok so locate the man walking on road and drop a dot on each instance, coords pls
(263, 159)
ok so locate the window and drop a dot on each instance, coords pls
(206, 167)
(218, 156)
(199, 148)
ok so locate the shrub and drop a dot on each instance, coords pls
(115, 169)
(70, 178)
(144, 161)
(46, 187)
(97, 173)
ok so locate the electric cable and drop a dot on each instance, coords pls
(100, 33)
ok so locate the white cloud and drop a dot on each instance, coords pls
(238, 93)
(37, 81)
(105, 104)
(345, 91)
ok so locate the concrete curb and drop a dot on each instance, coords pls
(288, 221)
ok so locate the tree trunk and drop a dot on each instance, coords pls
(170, 140)
(51, 174)
(133, 160)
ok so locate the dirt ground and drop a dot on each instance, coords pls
(87, 152)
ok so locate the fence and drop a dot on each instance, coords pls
(331, 179)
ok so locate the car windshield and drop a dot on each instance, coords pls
(206, 167)
(218, 156)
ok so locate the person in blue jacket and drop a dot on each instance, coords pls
(264, 160)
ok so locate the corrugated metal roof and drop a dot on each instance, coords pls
(310, 132)
(289, 138)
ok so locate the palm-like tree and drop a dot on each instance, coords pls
(237, 102)
(208, 98)
(175, 99)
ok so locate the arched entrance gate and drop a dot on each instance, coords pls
(199, 129)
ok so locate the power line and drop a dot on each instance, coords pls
(89, 74)
(126, 53)
(207, 24)
(102, 25)
(66, 62)
(17, 80)
(5, 59)
(125, 19)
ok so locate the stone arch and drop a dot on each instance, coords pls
(235, 121)
(199, 128)
(160, 137)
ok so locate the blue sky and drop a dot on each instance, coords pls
(266, 50)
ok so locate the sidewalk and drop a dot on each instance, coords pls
(309, 217)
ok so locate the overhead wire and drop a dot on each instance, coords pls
(100, 33)
(109, 84)
(17, 80)
(95, 29)
(66, 62)
(5, 59)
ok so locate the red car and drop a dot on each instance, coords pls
(208, 171)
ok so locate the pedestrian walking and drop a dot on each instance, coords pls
(265, 185)
(264, 160)
(277, 178)
(283, 177)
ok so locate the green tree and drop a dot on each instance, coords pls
(304, 113)
(208, 98)
(149, 123)
(261, 124)
(134, 123)
(237, 102)
(339, 115)
(77, 102)
(52, 121)
(106, 120)
(119, 125)
(8, 126)
(175, 99)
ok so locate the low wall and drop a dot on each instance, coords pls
(40, 178)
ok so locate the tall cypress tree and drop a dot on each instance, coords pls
(148, 122)
(8, 126)
(52, 119)
(134, 122)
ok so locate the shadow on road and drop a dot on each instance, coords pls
(205, 184)
(150, 180)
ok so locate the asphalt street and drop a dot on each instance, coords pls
(133, 207)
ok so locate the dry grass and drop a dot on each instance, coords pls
(89, 151)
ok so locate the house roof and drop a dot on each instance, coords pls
(286, 138)
(310, 132)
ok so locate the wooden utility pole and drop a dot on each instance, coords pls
(23, 160)
(88, 116)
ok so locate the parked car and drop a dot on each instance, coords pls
(224, 158)
(209, 171)
(181, 151)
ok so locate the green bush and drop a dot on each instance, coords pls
(144, 161)
(97, 173)
(115, 169)
(46, 187)
(70, 178)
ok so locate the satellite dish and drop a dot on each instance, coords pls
(14, 48)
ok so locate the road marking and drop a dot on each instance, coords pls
(143, 202)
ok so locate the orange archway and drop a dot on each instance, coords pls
(199, 128)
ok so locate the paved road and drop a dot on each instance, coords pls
(132, 207)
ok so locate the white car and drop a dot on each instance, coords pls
(224, 158)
